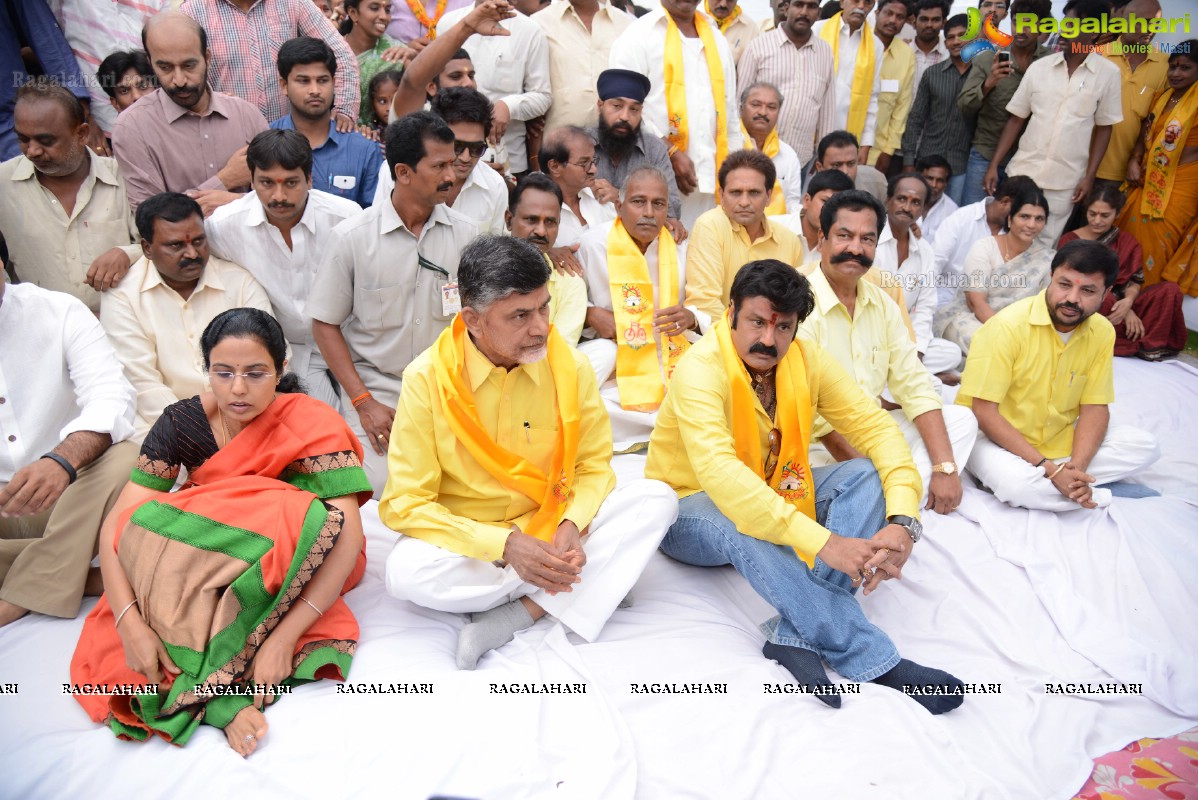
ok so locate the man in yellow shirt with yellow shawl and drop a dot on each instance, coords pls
(732, 440)
(500, 477)
(857, 62)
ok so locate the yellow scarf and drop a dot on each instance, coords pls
(722, 24)
(772, 147)
(675, 77)
(792, 478)
(638, 373)
(863, 71)
(1166, 141)
(552, 491)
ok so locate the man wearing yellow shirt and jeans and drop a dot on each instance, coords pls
(1038, 378)
(732, 438)
(500, 469)
(738, 231)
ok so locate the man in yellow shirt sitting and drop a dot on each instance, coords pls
(1039, 380)
(732, 438)
(738, 231)
(500, 469)
(863, 330)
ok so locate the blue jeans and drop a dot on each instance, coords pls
(975, 175)
(956, 188)
(816, 607)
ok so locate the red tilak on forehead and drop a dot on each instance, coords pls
(773, 320)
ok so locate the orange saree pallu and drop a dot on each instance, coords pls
(216, 566)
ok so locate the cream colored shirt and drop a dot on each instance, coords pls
(742, 31)
(1063, 112)
(371, 283)
(483, 197)
(718, 249)
(54, 250)
(156, 333)
(872, 346)
(576, 57)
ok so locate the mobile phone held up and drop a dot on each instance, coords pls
(1004, 56)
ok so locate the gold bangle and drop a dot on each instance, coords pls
(1058, 472)
(319, 613)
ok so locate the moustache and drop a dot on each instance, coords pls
(538, 239)
(841, 258)
(761, 118)
(187, 263)
(282, 205)
(1072, 306)
(176, 91)
(764, 349)
(445, 187)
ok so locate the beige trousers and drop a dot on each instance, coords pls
(44, 558)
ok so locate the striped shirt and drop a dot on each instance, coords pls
(245, 48)
(935, 124)
(806, 79)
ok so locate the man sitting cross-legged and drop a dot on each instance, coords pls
(500, 469)
(732, 438)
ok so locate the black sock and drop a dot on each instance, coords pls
(934, 689)
(807, 668)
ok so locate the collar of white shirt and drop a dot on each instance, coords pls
(255, 213)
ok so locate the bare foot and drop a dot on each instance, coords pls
(94, 585)
(246, 730)
(10, 613)
(949, 378)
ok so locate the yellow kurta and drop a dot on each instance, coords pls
(438, 493)
(719, 247)
(692, 447)
(895, 94)
(1019, 361)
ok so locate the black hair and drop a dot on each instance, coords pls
(46, 88)
(538, 181)
(1089, 258)
(252, 323)
(115, 65)
(749, 159)
(852, 200)
(493, 267)
(460, 55)
(347, 24)
(883, 3)
(956, 21)
(944, 7)
(305, 50)
(1088, 9)
(461, 104)
(834, 139)
(1041, 8)
(829, 9)
(168, 207)
(1027, 197)
(892, 184)
(1013, 185)
(1187, 49)
(406, 136)
(780, 283)
(1107, 193)
(199, 31)
(832, 179)
(273, 147)
(392, 75)
(933, 161)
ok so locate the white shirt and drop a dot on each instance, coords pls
(934, 216)
(954, 237)
(790, 176)
(514, 69)
(64, 376)
(483, 197)
(156, 332)
(924, 60)
(570, 228)
(240, 232)
(641, 48)
(846, 65)
(918, 277)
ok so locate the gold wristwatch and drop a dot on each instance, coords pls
(948, 468)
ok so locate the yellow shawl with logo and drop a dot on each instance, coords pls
(792, 478)
(551, 489)
(675, 86)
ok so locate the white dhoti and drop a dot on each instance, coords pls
(1124, 451)
(627, 427)
(962, 434)
(623, 537)
(941, 356)
(602, 355)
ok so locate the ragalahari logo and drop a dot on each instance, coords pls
(992, 37)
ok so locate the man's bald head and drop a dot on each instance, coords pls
(178, 49)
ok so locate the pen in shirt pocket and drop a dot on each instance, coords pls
(527, 432)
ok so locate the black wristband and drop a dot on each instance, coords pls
(1040, 463)
(62, 462)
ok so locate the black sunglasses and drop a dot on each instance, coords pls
(476, 148)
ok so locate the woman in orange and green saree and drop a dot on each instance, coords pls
(1162, 212)
(233, 582)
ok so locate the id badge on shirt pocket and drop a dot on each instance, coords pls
(344, 182)
(451, 301)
